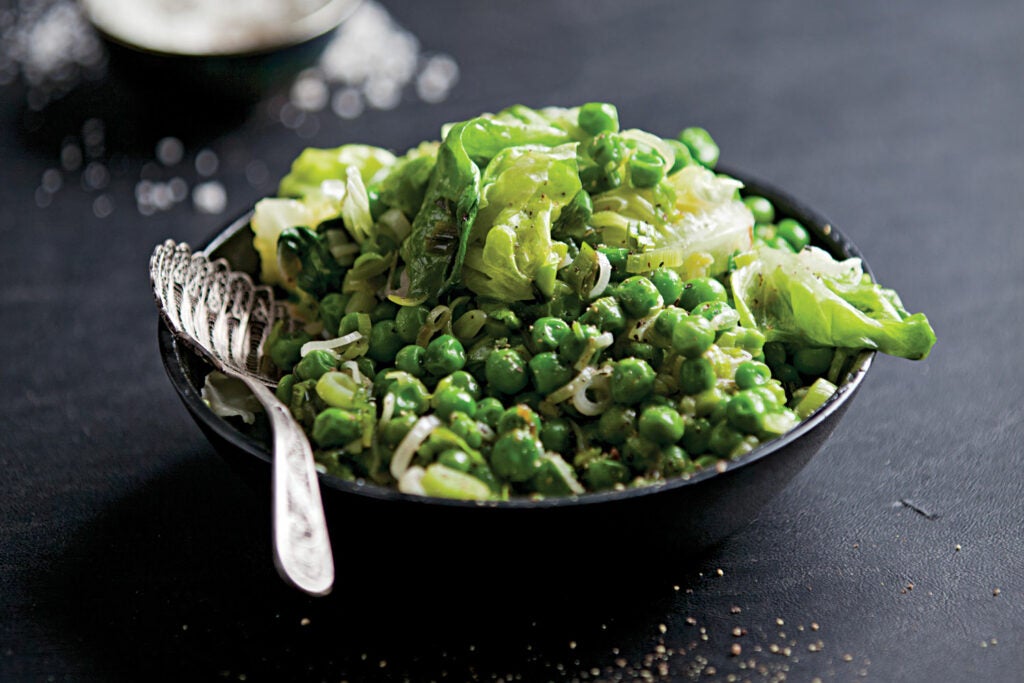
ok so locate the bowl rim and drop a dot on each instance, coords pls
(823, 233)
(317, 23)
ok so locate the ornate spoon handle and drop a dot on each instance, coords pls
(302, 548)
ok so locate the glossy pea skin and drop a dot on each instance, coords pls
(444, 355)
(692, 336)
(697, 435)
(574, 343)
(467, 428)
(764, 212)
(607, 150)
(385, 310)
(616, 424)
(746, 411)
(286, 349)
(661, 424)
(721, 315)
(604, 473)
(489, 411)
(640, 454)
(606, 314)
(750, 374)
(669, 284)
(516, 455)
(675, 461)
(646, 169)
(283, 390)
(617, 257)
(632, 381)
(519, 416)
(549, 372)
(701, 145)
(409, 320)
(557, 435)
(696, 375)
(385, 342)
(667, 320)
(700, 290)
(648, 353)
(314, 364)
(683, 156)
(462, 380)
(814, 360)
(410, 396)
(598, 117)
(638, 296)
(547, 333)
(793, 232)
(456, 459)
(395, 429)
(453, 399)
(332, 310)
(505, 371)
(410, 359)
(349, 323)
(336, 427)
(723, 439)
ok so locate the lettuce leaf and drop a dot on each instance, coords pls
(406, 182)
(524, 190)
(313, 166)
(810, 298)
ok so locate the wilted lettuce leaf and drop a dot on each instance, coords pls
(406, 182)
(524, 189)
(811, 298)
(314, 166)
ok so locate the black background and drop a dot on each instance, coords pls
(129, 551)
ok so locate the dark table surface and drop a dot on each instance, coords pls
(130, 551)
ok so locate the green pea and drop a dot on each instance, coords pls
(721, 315)
(516, 455)
(283, 391)
(489, 411)
(598, 117)
(519, 416)
(574, 344)
(305, 403)
(697, 435)
(548, 372)
(794, 233)
(701, 145)
(692, 336)
(774, 354)
(632, 381)
(617, 257)
(646, 169)
(385, 342)
(604, 473)
(723, 440)
(750, 374)
(385, 310)
(557, 435)
(505, 371)
(696, 375)
(645, 352)
(669, 283)
(639, 296)
(315, 363)
(456, 459)
(286, 348)
(708, 401)
(616, 424)
(332, 310)
(410, 396)
(349, 323)
(547, 333)
(745, 412)
(410, 359)
(444, 356)
(675, 461)
(453, 399)
(750, 340)
(409, 320)
(642, 455)
(787, 374)
(462, 380)
(683, 156)
(764, 212)
(395, 429)
(667, 320)
(661, 424)
(607, 150)
(466, 428)
(336, 427)
(700, 290)
(606, 314)
(810, 360)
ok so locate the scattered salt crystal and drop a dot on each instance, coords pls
(52, 180)
(96, 176)
(347, 103)
(179, 189)
(102, 206)
(437, 78)
(309, 92)
(210, 197)
(71, 157)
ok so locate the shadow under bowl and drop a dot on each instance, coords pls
(662, 525)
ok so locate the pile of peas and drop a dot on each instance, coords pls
(680, 387)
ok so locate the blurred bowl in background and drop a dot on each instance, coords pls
(222, 50)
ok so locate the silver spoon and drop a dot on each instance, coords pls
(224, 316)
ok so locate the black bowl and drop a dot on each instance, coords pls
(659, 525)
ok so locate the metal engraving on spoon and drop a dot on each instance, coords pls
(224, 316)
